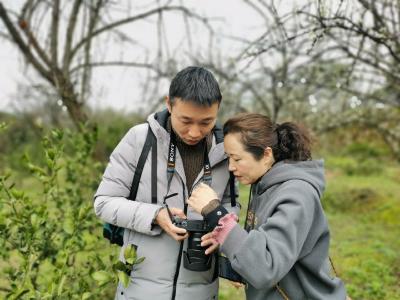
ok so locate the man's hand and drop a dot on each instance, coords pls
(235, 284)
(164, 221)
(201, 196)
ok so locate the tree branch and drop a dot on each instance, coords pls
(133, 19)
(54, 34)
(21, 44)
(69, 35)
(93, 19)
(119, 63)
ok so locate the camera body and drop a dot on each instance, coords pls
(195, 258)
(192, 225)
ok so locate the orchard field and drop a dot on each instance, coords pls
(51, 244)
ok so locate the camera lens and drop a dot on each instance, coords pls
(195, 258)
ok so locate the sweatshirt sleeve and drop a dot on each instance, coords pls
(265, 255)
(111, 203)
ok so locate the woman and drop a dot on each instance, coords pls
(283, 251)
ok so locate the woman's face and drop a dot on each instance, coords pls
(242, 163)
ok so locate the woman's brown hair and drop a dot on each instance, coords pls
(288, 141)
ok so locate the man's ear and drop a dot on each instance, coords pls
(168, 103)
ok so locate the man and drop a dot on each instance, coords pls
(187, 150)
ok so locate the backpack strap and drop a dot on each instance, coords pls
(218, 133)
(153, 169)
(148, 144)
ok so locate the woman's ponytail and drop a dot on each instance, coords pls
(293, 143)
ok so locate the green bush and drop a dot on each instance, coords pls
(349, 199)
(17, 138)
(112, 127)
(354, 166)
(364, 150)
(50, 245)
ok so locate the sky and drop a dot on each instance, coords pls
(120, 88)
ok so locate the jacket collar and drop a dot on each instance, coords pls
(158, 123)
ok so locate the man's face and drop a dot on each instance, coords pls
(190, 121)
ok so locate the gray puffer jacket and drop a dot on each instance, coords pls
(161, 275)
(290, 242)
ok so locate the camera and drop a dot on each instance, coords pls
(195, 258)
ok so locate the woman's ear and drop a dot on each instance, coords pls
(268, 157)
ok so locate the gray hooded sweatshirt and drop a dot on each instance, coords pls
(162, 275)
(290, 241)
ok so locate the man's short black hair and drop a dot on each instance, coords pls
(195, 84)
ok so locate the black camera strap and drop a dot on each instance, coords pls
(207, 178)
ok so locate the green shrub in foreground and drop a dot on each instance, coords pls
(50, 246)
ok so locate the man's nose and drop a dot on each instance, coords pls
(194, 132)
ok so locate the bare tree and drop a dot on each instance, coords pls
(276, 73)
(57, 38)
(365, 36)
(330, 64)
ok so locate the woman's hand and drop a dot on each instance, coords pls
(201, 196)
(208, 241)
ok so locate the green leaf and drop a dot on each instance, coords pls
(102, 277)
(50, 163)
(51, 153)
(3, 125)
(83, 211)
(61, 285)
(17, 194)
(124, 278)
(34, 221)
(69, 225)
(86, 295)
(57, 133)
(139, 260)
(36, 169)
(130, 254)
(119, 266)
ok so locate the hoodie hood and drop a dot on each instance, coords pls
(309, 171)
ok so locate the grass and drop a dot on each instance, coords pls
(363, 214)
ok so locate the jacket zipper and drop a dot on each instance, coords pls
(178, 264)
